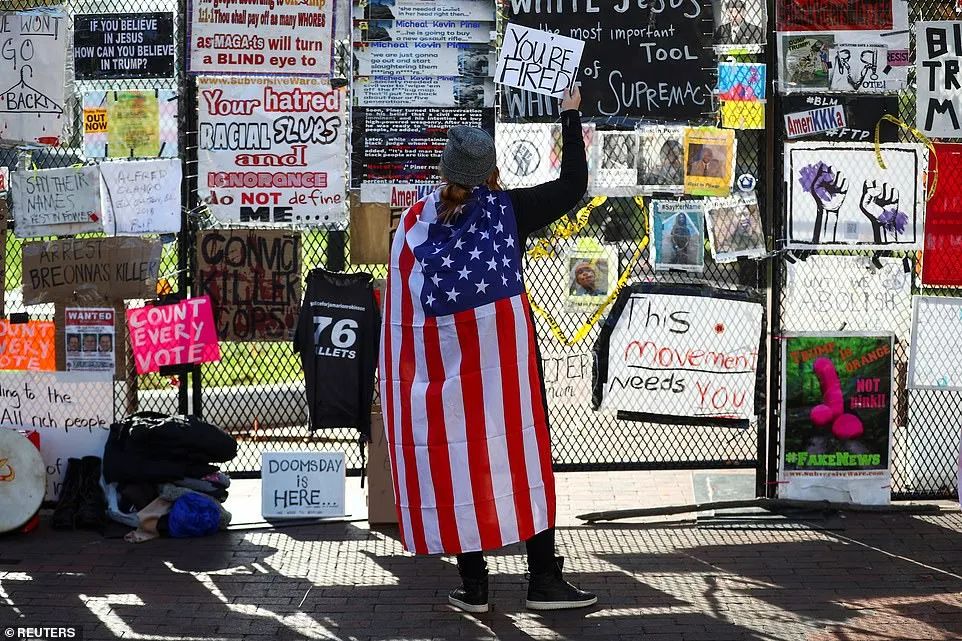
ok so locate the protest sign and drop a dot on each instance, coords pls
(253, 279)
(836, 418)
(394, 145)
(113, 46)
(661, 159)
(805, 61)
(616, 156)
(423, 59)
(524, 155)
(793, 15)
(3, 252)
(860, 67)
(709, 161)
(567, 378)
(734, 228)
(937, 67)
(677, 236)
(943, 227)
(177, 334)
(838, 194)
(292, 38)
(72, 411)
(935, 361)
(827, 293)
(89, 339)
(394, 194)
(680, 351)
(130, 124)
(27, 346)
(425, 91)
(476, 10)
(538, 61)
(272, 150)
(370, 233)
(33, 75)
(423, 31)
(592, 275)
(90, 271)
(141, 196)
(302, 484)
(646, 60)
(814, 116)
(56, 202)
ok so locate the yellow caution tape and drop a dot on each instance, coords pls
(933, 174)
(565, 230)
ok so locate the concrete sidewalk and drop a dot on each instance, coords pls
(758, 577)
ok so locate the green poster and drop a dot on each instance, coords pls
(838, 403)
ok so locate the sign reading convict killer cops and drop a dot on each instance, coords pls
(272, 150)
(111, 46)
(938, 69)
(253, 278)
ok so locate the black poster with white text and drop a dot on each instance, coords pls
(649, 59)
(111, 46)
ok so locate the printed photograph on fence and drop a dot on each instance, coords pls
(742, 81)
(426, 91)
(28, 346)
(677, 235)
(32, 77)
(282, 159)
(734, 228)
(592, 276)
(842, 117)
(616, 164)
(176, 334)
(476, 10)
(935, 359)
(114, 46)
(56, 202)
(942, 257)
(837, 418)
(661, 159)
(423, 31)
(290, 38)
(839, 195)
(423, 59)
(253, 279)
(670, 351)
(806, 61)
(538, 61)
(862, 67)
(939, 100)
(130, 124)
(89, 339)
(792, 15)
(141, 196)
(709, 161)
(740, 25)
(525, 153)
(859, 293)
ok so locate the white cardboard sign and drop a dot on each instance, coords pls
(56, 202)
(935, 359)
(938, 61)
(141, 196)
(538, 61)
(302, 484)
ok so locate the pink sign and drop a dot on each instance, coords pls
(175, 334)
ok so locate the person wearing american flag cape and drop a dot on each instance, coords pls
(461, 386)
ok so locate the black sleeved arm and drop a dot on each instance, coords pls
(535, 207)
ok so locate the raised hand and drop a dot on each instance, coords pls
(879, 204)
(828, 189)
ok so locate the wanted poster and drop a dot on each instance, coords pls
(130, 124)
(423, 31)
(465, 10)
(423, 59)
(937, 67)
(115, 46)
(90, 338)
(709, 161)
(32, 76)
(426, 91)
(56, 202)
(272, 150)
(661, 159)
(677, 235)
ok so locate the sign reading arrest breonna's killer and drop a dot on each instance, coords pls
(538, 61)
(679, 351)
(113, 46)
(90, 271)
(272, 150)
(33, 47)
(641, 59)
(253, 278)
(287, 37)
(56, 202)
(938, 67)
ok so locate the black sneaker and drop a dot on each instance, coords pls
(472, 596)
(549, 591)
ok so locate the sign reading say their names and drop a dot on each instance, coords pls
(538, 61)
(935, 359)
(938, 67)
(56, 202)
(71, 410)
(302, 484)
(111, 46)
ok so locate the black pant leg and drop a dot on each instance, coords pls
(541, 552)
(471, 564)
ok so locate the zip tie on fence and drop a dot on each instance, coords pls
(932, 175)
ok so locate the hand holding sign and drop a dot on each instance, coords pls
(538, 61)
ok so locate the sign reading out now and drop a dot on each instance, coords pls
(538, 61)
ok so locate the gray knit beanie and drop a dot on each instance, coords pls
(469, 156)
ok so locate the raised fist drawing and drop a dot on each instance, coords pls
(879, 203)
(828, 188)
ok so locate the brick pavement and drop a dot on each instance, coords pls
(872, 577)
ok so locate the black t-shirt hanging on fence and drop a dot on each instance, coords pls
(337, 338)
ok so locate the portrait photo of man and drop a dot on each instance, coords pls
(706, 160)
(739, 24)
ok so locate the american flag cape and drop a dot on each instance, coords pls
(460, 389)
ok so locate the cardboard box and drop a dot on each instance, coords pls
(380, 485)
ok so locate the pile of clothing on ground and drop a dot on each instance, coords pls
(161, 477)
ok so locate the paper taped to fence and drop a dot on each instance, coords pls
(425, 91)
(141, 196)
(938, 66)
(476, 10)
(676, 229)
(27, 346)
(935, 359)
(476, 32)
(130, 124)
(56, 202)
(423, 59)
(680, 352)
(525, 153)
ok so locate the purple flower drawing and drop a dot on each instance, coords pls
(823, 174)
(893, 220)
